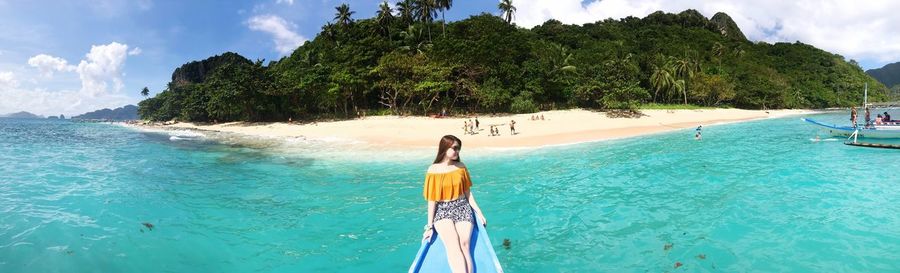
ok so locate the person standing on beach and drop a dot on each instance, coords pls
(512, 127)
(451, 204)
(477, 123)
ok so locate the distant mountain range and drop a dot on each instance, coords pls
(22, 114)
(127, 112)
(889, 74)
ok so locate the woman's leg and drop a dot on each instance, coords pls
(447, 232)
(464, 230)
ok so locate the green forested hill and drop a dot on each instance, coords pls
(400, 65)
(889, 74)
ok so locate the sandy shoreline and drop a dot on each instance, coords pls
(557, 128)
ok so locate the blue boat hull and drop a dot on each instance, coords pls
(432, 255)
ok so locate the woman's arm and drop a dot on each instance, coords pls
(431, 207)
(476, 208)
(430, 224)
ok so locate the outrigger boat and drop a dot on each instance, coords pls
(882, 132)
(888, 130)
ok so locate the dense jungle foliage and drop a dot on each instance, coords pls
(407, 62)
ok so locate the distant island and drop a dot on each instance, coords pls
(127, 112)
(401, 63)
(22, 114)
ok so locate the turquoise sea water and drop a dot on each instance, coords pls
(750, 197)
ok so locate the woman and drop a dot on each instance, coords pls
(450, 204)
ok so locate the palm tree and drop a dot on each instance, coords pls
(145, 92)
(508, 10)
(444, 5)
(662, 79)
(561, 58)
(685, 69)
(330, 33)
(405, 9)
(384, 17)
(678, 86)
(343, 15)
(414, 43)
(424, 11)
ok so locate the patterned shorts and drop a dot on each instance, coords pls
(457, 210)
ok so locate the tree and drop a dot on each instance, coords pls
(444, 5)
(685, 68)
(406, 10)
(343, 15)
(394, 78)
(711, 90)
(662, 79)
(413, 42)
(718, 49)
(508, 10)
(328, 32)
(486, 63)
(384, 17)
(424, 11)
(145, 92)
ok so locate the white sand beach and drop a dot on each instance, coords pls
(558, 127)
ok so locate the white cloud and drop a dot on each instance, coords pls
(284, 36)
(103, 64)
(858, 31)
(8, 80)
(48, 64)
(135, 51)
(100, 73)
(289, 2)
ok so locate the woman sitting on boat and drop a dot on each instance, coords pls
(450, 204)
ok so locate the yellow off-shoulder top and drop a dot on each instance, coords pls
(447, 186)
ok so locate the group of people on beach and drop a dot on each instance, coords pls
(536, 117)
(879, 120)
(471, 127)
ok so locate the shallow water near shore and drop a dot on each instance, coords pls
(759, 196)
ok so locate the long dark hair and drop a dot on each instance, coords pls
(445, 143)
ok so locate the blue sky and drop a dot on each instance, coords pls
(166, 34)
(70, 57)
